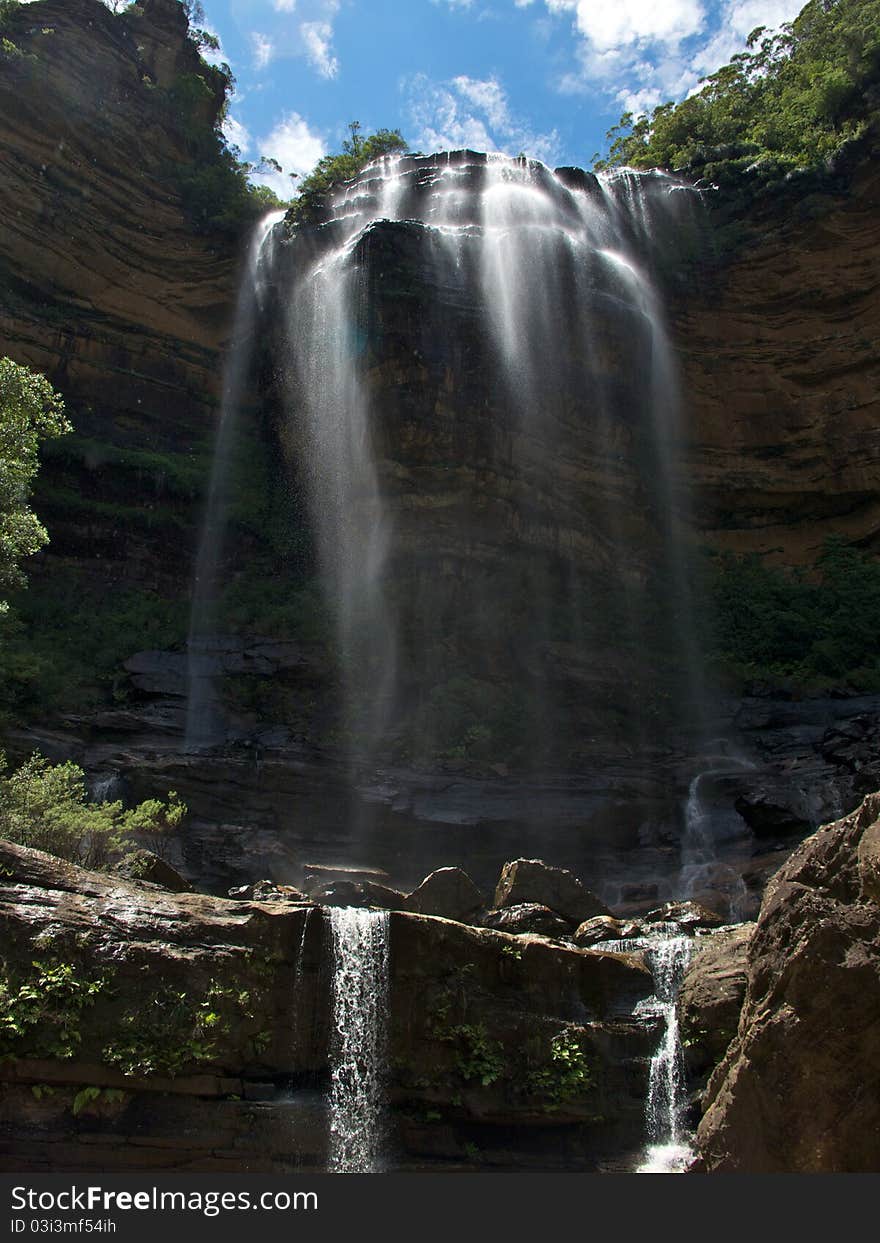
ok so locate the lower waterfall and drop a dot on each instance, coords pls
(667, 955)
(358, 1052)
(668, 1150)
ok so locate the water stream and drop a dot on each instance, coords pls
(358, 1053)
(668, 1147)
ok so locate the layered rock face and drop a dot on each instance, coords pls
(799, 1087)
(108, 291)
(781, 373)
(145, 1029)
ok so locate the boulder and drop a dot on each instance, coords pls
(319, 875)
(528, 917)
(144, 865)
(359, 893)
(605, 928)
(688, 916)
(267, 891)
(711, 996)
(449, 892)
(799, 1088)
(533, 881)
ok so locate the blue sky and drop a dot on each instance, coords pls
(547, 77)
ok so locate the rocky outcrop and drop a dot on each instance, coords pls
(711, 997)
(799, 1088)
(145, 1030)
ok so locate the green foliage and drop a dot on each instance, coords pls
(177, 1029)
(46, 806)
(476, 1055)
(30, 412)
(817, 624)
(566, 1076)
(41, 1009)
(790, 101)
(64, 647)
(357, 152)
(467, 718)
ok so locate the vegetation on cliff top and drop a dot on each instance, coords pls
(357, 152)
(790, 101)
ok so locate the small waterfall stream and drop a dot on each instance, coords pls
(667, 954)
(668, 1149)
(358, 1053)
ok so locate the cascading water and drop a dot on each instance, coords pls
(668, 1148)
(540, 355)
(203, 724)
(667, 954)
(358, 1053)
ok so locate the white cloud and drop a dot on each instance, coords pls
(236, 134)
(474, 113)
(263, 48)
(284, 6)
(625, 22)
(318, 37)
(296, 148)
(643, 52)
(738, 20)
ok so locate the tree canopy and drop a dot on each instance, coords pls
(30, 412)
(792, 99)
(357, 152)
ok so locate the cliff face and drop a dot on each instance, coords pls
(107, 290)
(781, 371)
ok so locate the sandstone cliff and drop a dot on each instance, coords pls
(107, 288)
(781, 370)
(799, 1088)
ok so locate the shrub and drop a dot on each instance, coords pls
(46, 806)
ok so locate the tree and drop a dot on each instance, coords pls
(357, 152)
(789, 101)
(30, 412)
(46, 806)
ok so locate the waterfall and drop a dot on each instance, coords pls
(203, 720)
(667, 954)
(708, 825)
(668, 1150)
(520, 303)
(358, 1053)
